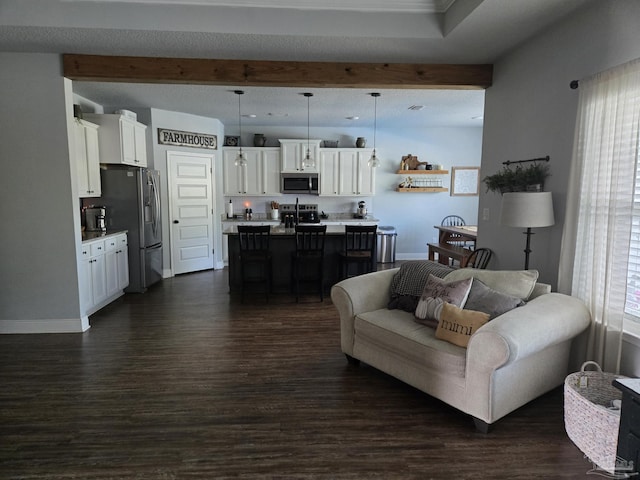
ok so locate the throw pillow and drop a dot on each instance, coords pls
(407, 284)
(436, 292)
(456, 325)
(488, 300)
(517, 283)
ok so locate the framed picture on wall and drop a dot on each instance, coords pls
(465, 181)
(231, 141)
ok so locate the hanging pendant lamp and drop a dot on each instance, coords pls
(308, 161)
(240, 161)
(374, 161)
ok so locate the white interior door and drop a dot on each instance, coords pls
(190, 211)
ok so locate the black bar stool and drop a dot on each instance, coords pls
(308, 259)
(359, 249)
(255, 257)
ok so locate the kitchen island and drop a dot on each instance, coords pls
(282, 246)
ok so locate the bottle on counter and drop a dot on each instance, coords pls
(230, 209)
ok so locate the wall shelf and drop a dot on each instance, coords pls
(422, 172)
(422, 189)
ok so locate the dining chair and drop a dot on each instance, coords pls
(308, 258)
(479, 258)
(453, 221)
(255, 257)
(359, 249)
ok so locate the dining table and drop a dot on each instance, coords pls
(454, 235)
(452, 242)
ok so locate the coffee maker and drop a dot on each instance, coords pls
(95, 219)
(362, 210)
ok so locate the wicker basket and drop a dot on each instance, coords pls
(590, 424)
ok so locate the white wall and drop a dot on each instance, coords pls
(413, 214)
(38, 211)
(188, 123)
(530, 112)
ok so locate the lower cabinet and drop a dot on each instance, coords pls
(117, 264)
(104, 272)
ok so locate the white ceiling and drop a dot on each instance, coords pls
(372, 31)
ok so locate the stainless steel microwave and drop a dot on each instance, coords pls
(299, 183)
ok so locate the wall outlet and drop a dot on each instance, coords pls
(485, 214)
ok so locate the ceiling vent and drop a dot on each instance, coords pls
(416, 107)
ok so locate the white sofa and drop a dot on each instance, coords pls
(512, 359)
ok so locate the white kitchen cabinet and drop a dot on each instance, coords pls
(293, 151)
(122, 139)
(94, 281)
(104, 271)
(259, 177)
(87, 158)
(345, 172)
(117, 264)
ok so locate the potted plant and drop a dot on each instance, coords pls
(518, 179)
(502, 181)
(534, 176)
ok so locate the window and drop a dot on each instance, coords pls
(632, 304)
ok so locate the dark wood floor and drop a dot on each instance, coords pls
(184, 382)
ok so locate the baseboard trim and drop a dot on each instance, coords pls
(51, 325)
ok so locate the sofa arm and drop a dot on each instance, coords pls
(544, 321)
(360, 294)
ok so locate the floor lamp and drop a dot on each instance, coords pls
(528, 210)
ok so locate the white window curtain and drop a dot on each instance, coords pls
(597, 230)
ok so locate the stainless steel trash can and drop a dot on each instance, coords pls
(386, 244)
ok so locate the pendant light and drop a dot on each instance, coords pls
(374, 161)
(240, 161)
(308, 161)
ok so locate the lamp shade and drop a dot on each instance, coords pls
(527, 209)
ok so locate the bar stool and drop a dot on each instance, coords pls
(255, 257)
(308, 259)
(359, 249)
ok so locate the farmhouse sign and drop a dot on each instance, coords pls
(187, 139)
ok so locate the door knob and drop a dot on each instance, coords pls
(176, 221)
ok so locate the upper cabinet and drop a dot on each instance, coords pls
(260, 176)
(87, 158)
(345, 172)
(293, 152)
(122, 139)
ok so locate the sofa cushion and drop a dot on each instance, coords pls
(396, 331)
(456, 325)
(408, 283)
(435, 293)
(484, 299)
(518, 283)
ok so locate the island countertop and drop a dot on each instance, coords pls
(279, 230)
(282, 245)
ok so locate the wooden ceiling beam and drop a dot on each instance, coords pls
(262, 73)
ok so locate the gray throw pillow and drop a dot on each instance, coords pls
(408, 283)
(484, 299)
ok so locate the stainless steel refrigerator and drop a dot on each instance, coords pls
(131, 196)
